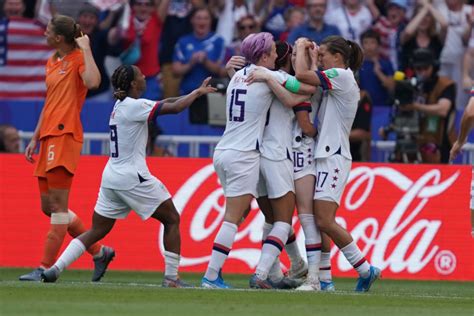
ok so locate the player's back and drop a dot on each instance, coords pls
(128, 124)
(246, 111)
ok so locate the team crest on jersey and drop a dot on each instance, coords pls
(331, 73)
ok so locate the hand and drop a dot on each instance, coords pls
(30, 150)
(382, 133)
(198, 57)
(83, 42)
(455, 150)
(257, 75)
(235, 62)
(467, 82)
(205, 88)
(377, 67)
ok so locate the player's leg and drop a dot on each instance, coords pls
(101, 226)
(283, 208)
(238, 173)
(167, 214)
(235, 209)
(325, 276)
(332, 175)
(325, 217)
(304, 204)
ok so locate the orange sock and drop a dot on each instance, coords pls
(76, 228)
(53, 243)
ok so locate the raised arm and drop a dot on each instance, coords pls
(302, 72)
(176, 105)
(91, 74)
(410, 29)
(467, 124)
(162, 9)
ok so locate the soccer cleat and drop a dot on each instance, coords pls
(50, 275)
(364, 284)
(216, 284)
(34, 275)
(327, 286)
(177, 283)
(101, 263)
(286, 283)
(256, 283)
(299, 270)
(310, 284)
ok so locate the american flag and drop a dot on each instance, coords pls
(23, 57)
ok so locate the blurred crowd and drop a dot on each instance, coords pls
(178, 43)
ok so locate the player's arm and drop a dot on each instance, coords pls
(30, 149)
(302, 116)
(185, 101)
(302, 72)
(467, 124)
(91, 74)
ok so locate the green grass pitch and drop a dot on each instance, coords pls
(140, 293)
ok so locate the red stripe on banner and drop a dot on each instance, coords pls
(31, 47)
(26, 62)
(23, 79)
(22, 94)
(36, 33)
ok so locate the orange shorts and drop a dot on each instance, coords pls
(57, 178)
(58, 151)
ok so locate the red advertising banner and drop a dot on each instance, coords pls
(412, 221)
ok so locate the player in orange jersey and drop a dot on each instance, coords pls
(70, 72)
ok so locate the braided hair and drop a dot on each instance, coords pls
(122, 81)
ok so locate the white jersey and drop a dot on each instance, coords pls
(246, 109)
(128, 123)
(351, 26)
(276, 143)
(337, 111)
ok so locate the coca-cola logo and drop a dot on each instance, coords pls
(390, 219)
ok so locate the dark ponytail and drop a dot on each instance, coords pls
(122, 80)
(284, 51)
(349, 50)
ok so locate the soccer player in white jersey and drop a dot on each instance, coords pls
(338, 58)
(126, 181)
(301, 135)
(276, 181)
(237, 155)
(467, 124)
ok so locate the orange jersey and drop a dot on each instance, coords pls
(65, 95)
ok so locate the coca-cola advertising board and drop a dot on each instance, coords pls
(412, 221)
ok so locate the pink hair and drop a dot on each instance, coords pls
(255, 45)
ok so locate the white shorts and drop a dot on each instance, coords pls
(331, 177)
(144, 199)
(303, 162)
(238, 171)
(276, 178)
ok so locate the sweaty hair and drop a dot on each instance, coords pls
(284, 51)
(255, 45)
(349, 50)
(66, 26)
(121, 81)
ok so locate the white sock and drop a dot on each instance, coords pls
(291, 248)
(272, 247)
(325, 267)
(267, 228)
(73, 251)
(171, 264)
(220, 250)
(356, 259)
(312, 243)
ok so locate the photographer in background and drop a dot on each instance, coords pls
(437, 111)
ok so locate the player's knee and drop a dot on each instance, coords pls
(323, 223)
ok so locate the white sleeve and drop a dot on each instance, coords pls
(334, 78)
(142, 110)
